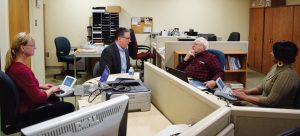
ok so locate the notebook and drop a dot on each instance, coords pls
(105, 74)
(182, 75)
(223, 90)
(67, 86)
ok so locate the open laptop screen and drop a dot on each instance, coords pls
(104, 75)
(69, 81)
(180, 74)
(220, 83)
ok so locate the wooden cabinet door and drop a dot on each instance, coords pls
(296, 36)
(256, 38)
(278, 26)
(268, 31)
(18, 19)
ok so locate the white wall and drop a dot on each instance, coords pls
(4, 33)
(36, 28)
(70, 17)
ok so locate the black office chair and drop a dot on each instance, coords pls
(96, 69)
(134, 51)
(63, 48)
(11, 120)
(234, 36)
(291, 132)
(297, 99)
(212, 38)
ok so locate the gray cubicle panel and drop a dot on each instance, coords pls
(182, 103)
(172, 46)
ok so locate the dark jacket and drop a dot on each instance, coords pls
(110, 56)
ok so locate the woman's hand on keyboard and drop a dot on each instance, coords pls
(46, 86)
(239, 93)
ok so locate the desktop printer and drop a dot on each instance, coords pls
(139, 95)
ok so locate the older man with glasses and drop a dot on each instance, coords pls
(201, 65)
(116, 55)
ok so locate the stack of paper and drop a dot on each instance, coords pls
(81, 50)
(235, 85)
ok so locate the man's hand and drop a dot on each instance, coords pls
(210, 84)
(189, 54)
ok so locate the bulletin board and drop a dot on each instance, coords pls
(142, 24)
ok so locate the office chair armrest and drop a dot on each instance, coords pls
(144, 47)
(40, 107)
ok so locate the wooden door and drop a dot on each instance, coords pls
(256, 38)
(278, 26)
(18, 19)
(296, 35)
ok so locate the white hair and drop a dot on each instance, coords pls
(202, 41)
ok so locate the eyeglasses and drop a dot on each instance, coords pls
(128, 38)
(31, 45)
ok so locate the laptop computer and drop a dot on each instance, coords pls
(178, 73)
(182, 75)
(223, 90)
(67, 86)
(105, 74)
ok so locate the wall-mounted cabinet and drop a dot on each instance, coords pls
(296, 35)
(256, 38)
(267, 26)
(104, 27)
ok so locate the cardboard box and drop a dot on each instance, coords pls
(113, 9)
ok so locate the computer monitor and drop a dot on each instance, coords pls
(108, 118)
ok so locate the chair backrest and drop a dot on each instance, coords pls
(212, 38)
(234, 36)
(10, 101)
(132, 46)
(297, 99)
(220, 56)
(96, 69)
(63, 47)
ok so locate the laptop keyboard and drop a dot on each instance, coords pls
(226, 93)
(64, 88)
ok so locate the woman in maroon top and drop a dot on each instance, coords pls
(201, 65)
(31, 92)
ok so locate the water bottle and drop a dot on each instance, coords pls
(131, 71)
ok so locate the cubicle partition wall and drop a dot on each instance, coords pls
(182, 103)
(225, 46)
(257, 121)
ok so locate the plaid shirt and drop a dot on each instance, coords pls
(203, 67)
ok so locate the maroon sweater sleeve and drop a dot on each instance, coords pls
(183, 64)
(27, 83)
(215, 68)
